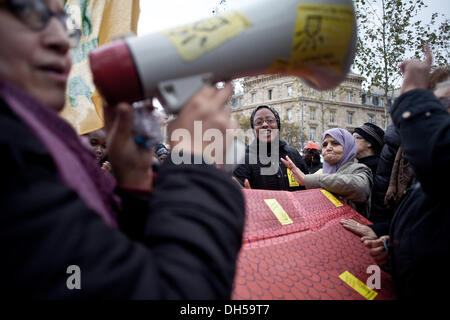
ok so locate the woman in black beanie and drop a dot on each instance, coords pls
(369, 142)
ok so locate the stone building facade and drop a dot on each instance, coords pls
(347, 106)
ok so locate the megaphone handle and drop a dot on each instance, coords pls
(177, 92)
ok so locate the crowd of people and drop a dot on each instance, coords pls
(141, 227)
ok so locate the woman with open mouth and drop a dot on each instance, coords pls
(262, 168)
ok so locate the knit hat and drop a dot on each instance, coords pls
(373, 134)
(275, 113)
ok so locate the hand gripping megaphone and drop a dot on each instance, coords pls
(314, 40)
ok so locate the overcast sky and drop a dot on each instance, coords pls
(157, 15)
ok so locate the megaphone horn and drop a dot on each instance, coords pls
(312, 40)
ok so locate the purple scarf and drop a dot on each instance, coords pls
(75, 164)
(346, 140)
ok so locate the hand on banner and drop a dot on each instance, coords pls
(296, 172)
(359, 229)
(247, 184)
(377, 250)
(130, 163)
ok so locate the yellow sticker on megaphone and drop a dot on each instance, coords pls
(195, 39)
(322, 35)
(321, 38)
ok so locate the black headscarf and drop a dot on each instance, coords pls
(275, 113)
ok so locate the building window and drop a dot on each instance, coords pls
(253, 97)
(381, 102)
(384, 122)
(312, 114)
(311, 92)
(389, 102)
(371, 120)
(289, 91)
(270, 94)
(375, 101)
(332, 116)
(350, 97)
(363, 98)
(312, 134)
(331, 95)
(240, 102)
(350, 117)
(289, 114)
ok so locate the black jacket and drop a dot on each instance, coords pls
(420, 229)
(278, 181)
(181, 243)
(314, 167)
(371, 162)
(379, 212)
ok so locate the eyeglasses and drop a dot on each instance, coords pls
(269, 121)
(36, 15)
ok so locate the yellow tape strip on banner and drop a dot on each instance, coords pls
(278, 211)
(195, 39)
(292, 181)
(356, 284)
(332, 198)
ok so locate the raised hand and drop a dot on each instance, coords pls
(296, 172)
(415, 72)
(377, 250)
(131, 164)
(206, 106)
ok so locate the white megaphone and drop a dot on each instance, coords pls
(314, 40)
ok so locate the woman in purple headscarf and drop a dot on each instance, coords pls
(350, 180)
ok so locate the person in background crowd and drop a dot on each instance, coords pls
(311, 155)
(97, 143)
(381, 212)
(394, 173)
(341, 175)
(369, 142)
(440, 84)
(419, 237)
(266, 124)
(178, 239)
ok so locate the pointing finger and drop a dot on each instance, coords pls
(428, 55)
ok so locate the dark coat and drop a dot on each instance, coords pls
(180, 244)
(371, 162)
(379, 212)
(278, 181)
(314, 167)
(420, 228)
